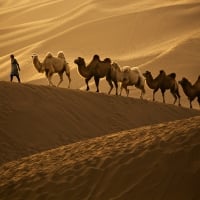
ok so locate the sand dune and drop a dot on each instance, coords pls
(153, 162)
(88, 27)
(37, 118)
(58, 143)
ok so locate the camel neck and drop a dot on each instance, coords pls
(83, 70)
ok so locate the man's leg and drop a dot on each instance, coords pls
(11, 78)
(18, 79)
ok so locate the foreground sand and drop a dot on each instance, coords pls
(152, 162)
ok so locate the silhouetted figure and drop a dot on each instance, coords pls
(14, 68)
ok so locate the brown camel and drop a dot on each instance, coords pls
(163, 82)
(191, 91)
(96, 68)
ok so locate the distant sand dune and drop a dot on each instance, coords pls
(132, 32)
(152, 162)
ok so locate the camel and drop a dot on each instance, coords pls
(191, 91)
(128, 77)
(52, 65)
(163, 82)
(96, 68)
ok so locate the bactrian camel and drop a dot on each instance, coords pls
(163, 82)
(96, 68)
(127, 76)
(51, 65)
(191, 91)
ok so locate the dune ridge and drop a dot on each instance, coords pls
(157, 161)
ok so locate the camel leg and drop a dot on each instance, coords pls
(49, 76)
(175, 97)
(179, 97)
(190, 103)
(141, 96)
(127, 90)
(163, 95)
(86, 81)
(61, 79)
(69, 78)
(116, 86)
(96, 79)
(142, 92)
(154, 91)
(111, 85)
(198, 99)
(121, 88)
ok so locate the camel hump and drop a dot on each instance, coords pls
(172, 75)
(49, 55)
(107, 60)
(115, 65)
(61, 54)
(162, 72)
(184, 80)
(126, 69)
(96, 57)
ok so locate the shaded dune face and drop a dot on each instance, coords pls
(120, 165)
(45, 117)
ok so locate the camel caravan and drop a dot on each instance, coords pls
(115, 74)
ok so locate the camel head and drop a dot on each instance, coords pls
(147, 74)
(37, 64)
(184, 82)
(80, 61)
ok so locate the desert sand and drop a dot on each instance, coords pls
(60, 143)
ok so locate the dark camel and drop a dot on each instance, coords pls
(96, 68)
(163, 82)
(191, 91)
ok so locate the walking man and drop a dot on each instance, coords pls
(14, 68)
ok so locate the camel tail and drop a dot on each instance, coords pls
(172, 75)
